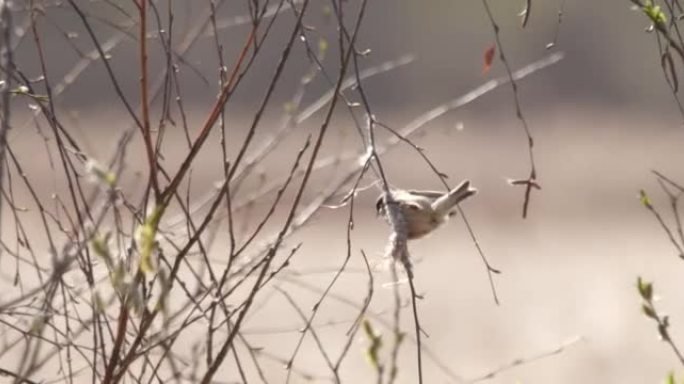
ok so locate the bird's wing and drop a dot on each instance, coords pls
(430, 194)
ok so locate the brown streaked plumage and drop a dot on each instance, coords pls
(424, 211)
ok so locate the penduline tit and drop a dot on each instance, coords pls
(424, 211)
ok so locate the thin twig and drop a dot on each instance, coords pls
(531, 181)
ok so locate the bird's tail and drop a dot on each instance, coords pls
(448, 201)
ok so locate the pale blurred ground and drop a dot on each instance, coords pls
(602, 119)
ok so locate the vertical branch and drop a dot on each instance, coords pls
(356, 325)
(338, 273)
(147, 135)
(398, 247)
(103, 58)
(558, 25)
(531, 181)
(396, 327)
(118, 342)
(7, 62)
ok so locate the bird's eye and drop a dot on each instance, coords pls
(379, 205)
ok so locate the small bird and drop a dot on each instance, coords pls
(424, 211)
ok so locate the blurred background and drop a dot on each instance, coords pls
(602, 119)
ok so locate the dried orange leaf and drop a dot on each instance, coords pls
(488, 58)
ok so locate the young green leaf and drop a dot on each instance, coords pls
(645, 289)
(373, 350)
(147, 234)
(654, 12)
(670, 378)
(644, 199)
(649, 311)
